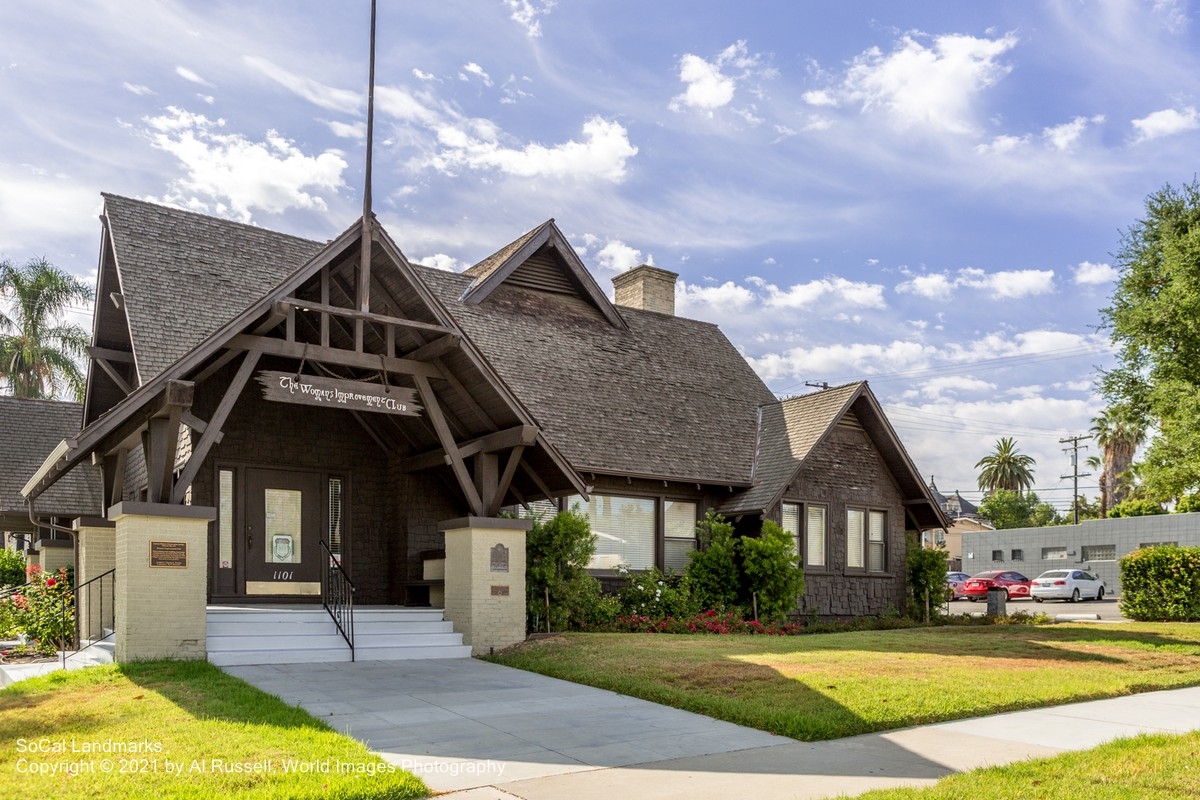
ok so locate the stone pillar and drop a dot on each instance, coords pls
(162, 580)
(97, 552)
(485, 580)
(54, 554)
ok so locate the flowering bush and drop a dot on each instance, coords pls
(706, 622)
(655, 595)
(44, 610)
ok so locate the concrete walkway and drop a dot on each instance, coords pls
(483, 731)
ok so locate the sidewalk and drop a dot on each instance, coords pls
(487, 732)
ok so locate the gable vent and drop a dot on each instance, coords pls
(544, 272)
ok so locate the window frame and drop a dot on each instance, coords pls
(660, 500)
(866, 542)
(802, 536)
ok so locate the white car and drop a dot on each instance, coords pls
(1071, 585)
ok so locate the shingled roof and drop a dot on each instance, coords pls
(185, 275)
(684, 408)
(29, 430)
(793, 428)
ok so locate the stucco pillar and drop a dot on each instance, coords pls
(485, 580)
(162, 580)
(97, 546)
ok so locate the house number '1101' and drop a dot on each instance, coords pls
(279, 575)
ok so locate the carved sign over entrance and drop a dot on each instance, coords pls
(314, 390)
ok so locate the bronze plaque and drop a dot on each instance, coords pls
(315, 390)
(499, 558)
(172, 555)
(499, 591)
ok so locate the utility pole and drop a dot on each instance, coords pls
(1075, 473)
(817, 384)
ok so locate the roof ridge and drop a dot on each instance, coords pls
(223, 220)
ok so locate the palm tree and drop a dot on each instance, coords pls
(1096, 463)
(1006, 468)
(1119, 432)
(37, 350)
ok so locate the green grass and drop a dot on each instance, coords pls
(1145, 767)
(203, 733)
(833, 685)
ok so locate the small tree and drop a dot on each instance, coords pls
(926, 579)
(1135, 508)
(557, 552)
(12, 568)
(713, 569)
(773, 572)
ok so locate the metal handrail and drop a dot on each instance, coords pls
(337, 595)
(11, 590)
(112, 574)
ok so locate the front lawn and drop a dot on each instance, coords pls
(176, 729)
(1144, 767)
(828, 686)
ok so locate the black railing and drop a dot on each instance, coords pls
(95, 613)
(337, 595)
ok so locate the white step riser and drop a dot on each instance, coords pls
(242, 636)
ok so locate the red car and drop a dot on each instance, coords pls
(1016, 584)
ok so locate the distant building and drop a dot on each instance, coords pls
(963, 515)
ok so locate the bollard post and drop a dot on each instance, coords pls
(996, 597)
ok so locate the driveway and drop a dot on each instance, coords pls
(1108, 609)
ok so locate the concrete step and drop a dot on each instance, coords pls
(306, 634)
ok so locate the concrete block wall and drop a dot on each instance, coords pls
(160, 611)
(486, 606)
(1125, 535)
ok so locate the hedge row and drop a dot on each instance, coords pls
(1161, 584)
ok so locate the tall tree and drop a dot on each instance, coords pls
(1097, 463)
(1152, 319)
(1119, 432)
(1006, 468)
(37, 349)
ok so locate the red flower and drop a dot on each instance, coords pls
(51, 582)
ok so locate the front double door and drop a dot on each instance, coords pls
(282, 532)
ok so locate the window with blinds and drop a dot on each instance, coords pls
(815, 536)
(877, 542)
(335, 517)
(624, 529)
(856, 520)
(679, 532)
(790, 516)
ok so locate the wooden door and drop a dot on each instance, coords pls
(281, 540)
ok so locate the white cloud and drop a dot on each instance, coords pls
(319, 94)
(188, 75)
(1167, 122)
(422, 76)
(823, 362)
(618, 256)
(443, 261)
(1090, 274)
(1005, 284)
(824, 290)
(602, 154)
(820, 97)
(344, 130)
(954, 385)
(726, 297)
(1064, 137)
(137, 88)
(513, 91)
(37, 207)
(228, 174)
(1002, 144)
(526, 13)
(708, 86)
(471, 68)
(934, 86)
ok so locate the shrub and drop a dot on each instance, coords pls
(926, 573)
(652, 594)
(772, 570)
(1188, 504)
(557, 551)
(713, 569)
(12, 568)
(595, 608)
(44, 611)
(1161, 584)
(1135, 508)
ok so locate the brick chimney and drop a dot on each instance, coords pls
(648, 288)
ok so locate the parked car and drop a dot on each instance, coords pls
(1015, 584)
(955, 581)
(1067, 584)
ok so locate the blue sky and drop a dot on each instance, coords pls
(926, 195)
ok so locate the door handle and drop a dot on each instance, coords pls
(249, 537)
